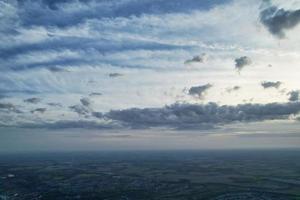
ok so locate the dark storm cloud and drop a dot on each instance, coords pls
(33, 100)
(196, 59)
(114, 75)
(278, 20)
(199, 91)
(271, 84)
(190, 116)
(294, 95)
(241, 62)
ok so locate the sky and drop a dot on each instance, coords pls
(149, 74)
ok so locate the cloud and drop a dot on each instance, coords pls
(70, 124)
(57, 69)
(232, 89)
(199, 91)
(2, 96)
(278, 20)
(83, 109)
(95, 94)
(190, 116)
(50, 13)
(294, 95)
(87, 50)
(98, 115)
(271, 84)
(7, 106)
(241, 62)
(114, 75)
(132, 38)
(33, 100)
(54, 104)
(80, 109)
(176, 116)
(39, 110)
(86, 102)
(196, 59)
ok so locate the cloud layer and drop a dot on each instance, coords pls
(176, 116)
(116, 64)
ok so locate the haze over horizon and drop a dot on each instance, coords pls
(149, 74)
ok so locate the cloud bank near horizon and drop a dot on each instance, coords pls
(176, 116)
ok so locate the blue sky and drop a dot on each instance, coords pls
(211, 67)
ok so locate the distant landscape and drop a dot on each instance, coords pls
(131, 175)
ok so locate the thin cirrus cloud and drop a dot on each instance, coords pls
(62, 61)
(86, 47)
(47, 15)
(50, 13)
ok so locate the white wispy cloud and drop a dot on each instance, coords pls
(63, 61)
